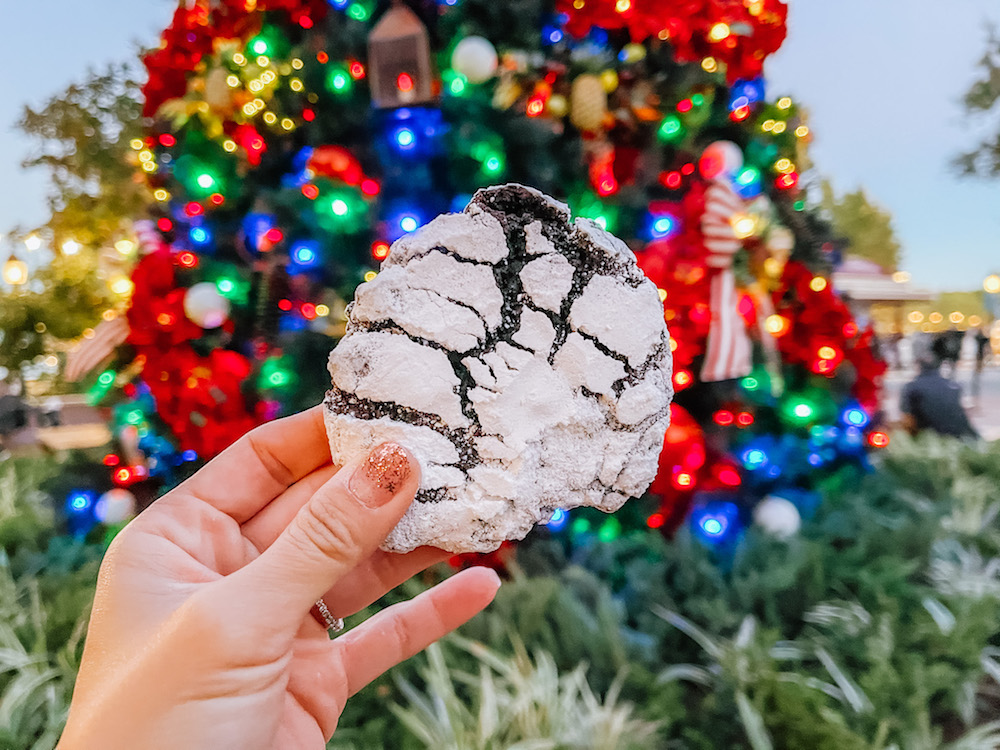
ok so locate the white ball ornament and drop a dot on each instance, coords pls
(115, 506)
(205, 306)
(475, 57)
(778, 517)
(721, 159)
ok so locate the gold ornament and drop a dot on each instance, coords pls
(218, 92)
(588, 103)
(557, 106)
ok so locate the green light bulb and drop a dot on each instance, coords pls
(493, 165)
(106, 378)
(670, 129)
(358, 12)
(748, 176)
(259, 47)
(225, 286)
(610, 530)
(205, 181)
(580, 526)
(340, 207)
(339, 81)
(750, 383)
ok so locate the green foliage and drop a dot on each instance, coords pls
(875, 628)
(981, 100)
(46, 589)
(517, 703)
(866, 226)
(68, 299)
(82, 140)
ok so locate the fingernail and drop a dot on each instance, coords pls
(380, 476)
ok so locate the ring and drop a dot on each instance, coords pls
(325, 618)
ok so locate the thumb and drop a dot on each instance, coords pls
(341, 525)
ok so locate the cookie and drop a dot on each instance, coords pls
(522, 357)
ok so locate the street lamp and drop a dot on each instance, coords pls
(15, 271)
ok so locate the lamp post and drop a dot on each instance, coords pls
(991, 285)
(15, 271)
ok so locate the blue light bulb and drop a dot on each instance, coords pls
(558, 520)
(405, 138)
(305, 253)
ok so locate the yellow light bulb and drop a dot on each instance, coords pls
(709, 65)
(233, 81)
(287, 123)
(975, 320)
(776, 324)
(229, 146)
(32, 242)
(137, 144)
(992, 283)
(15, 272)
(161, 195)
(322, 311)
(767, 126)
(623, 5)
(818, 284)
(743, 226)
(801, 131)
(956, 317)
(269, 76)
(779, 127)
(249, 109)
(121, 285)
(901, 277)
(145, 155)
(662, 293)
(295, 84)
(255, 85)
(827, 352)
(783, 165)
(270, 118)
(916, 317)
(370, 275)
(784, 102)
(148, 166)
(263, 61)
(125, 247)
(936, 317)
(297, 63)
(719, 32)
(71, 247)
(239, 59)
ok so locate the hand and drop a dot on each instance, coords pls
(201, 635)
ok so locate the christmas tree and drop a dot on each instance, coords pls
(292, 141)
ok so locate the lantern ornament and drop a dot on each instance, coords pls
(399, 59)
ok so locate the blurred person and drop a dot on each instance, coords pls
(983, 349)
(210, 623)
(933, 402)
(947, 347)
(13, 415)
(52, 411)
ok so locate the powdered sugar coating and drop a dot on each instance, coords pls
(522, 358)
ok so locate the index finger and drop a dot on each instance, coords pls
(262, 464)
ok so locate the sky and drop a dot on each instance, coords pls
(882, 80)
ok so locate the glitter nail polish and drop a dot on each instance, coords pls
(380, 475)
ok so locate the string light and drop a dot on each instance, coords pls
(161, 195)
(801, 131)
(322, 311)
(32, 242)
(818, 284)
(370, 276)
(784, 102)
(709, 65)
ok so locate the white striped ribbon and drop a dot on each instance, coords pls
(90, 353)
(729, 353)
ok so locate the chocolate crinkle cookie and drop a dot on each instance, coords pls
(523, 359)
